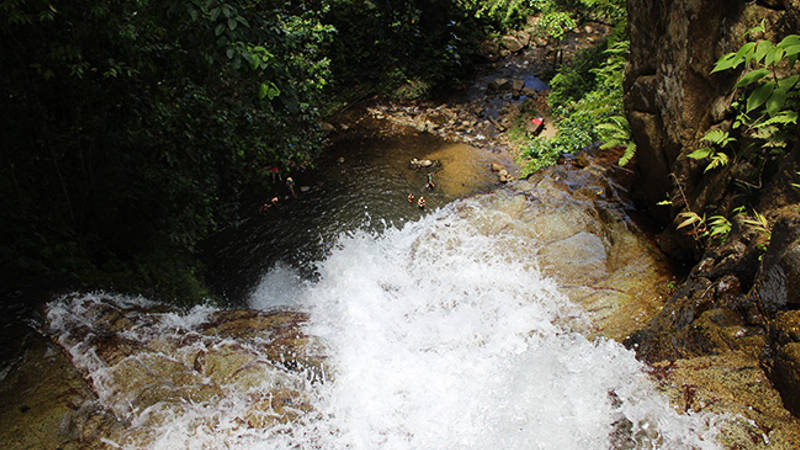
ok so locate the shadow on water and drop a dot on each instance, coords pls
(360, 183)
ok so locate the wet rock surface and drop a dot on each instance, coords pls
(579, 216)
(731, 383)
(128, 368)
(711, 346)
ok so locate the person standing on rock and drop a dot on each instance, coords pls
(290, 186)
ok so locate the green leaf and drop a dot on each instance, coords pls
(761, 50)
(630, 151)
(719, 225)
(232, 24)
(758, 28)
(782, 118)
(789, 41)
(752, 76)
(701, 153)
(773, 56)
(691, 218)
(220, 29)
(215, 14)
(230, 52)
(717, 160)
(728, 61)
(792, 50)
(759, 96)
(268, 90)
(746, 51)
(718, 137)
(776, 101)
(789, 82)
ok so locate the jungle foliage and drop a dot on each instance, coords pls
(135, 129)
(585, 102)
(132, 127)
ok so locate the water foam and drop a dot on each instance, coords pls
(442, 334)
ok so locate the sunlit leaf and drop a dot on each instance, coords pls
(773, 55)
(789, 41)
(718, 160)
(700, 153)
(728, 61)
(746, 51)
(691, 218)
(761, 27)
(761, 50)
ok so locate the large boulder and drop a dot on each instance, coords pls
(512, 43)
(577, 215)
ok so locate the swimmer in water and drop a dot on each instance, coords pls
(421, 203)
(430, 185)
(410, 198)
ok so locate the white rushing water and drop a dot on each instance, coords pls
(439, 335)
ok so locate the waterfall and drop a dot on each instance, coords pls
(440, 334)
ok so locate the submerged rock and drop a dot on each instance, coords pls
(499, 85)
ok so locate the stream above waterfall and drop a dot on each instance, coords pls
(361, 183)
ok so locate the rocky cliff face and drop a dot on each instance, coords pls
(672, 98)
(742, 294)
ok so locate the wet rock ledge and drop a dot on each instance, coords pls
(707, 340)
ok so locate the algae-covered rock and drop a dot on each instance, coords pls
(47, 403)
(734, 384)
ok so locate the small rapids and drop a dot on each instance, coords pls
(440, 334)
